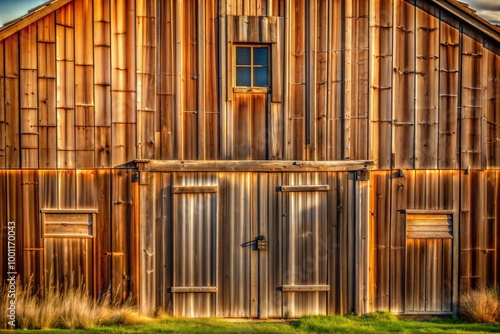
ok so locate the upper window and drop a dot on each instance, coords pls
(252, 66)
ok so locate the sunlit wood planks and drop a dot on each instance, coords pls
(381, 60)
(123, 82)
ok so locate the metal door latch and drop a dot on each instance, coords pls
(261, 242)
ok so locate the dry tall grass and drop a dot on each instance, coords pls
(481, 305)
(71, 309)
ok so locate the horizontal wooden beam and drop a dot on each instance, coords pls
(191, 289)
(31, 17)
(193, 189)
(428, 212)
(251, 165)
(303, 188)
(70, 211)
(304, 288)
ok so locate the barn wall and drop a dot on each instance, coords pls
(96, 84)
(108, 260)
(99, 83)
(473, 200)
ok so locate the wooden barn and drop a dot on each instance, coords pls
(253, 158)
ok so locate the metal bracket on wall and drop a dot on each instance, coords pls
(362, 175)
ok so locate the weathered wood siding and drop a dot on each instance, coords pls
(98, 83)
(107, 262)
(312, 236)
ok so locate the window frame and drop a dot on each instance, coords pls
(252, 66)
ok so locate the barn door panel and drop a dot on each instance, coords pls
(429, 242)
(305, 253)
(194, 287)
(68, 249)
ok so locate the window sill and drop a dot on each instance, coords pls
(251, 89)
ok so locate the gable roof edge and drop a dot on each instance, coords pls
(31, 17)
(455, 8)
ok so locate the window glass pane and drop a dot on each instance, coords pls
(260, 77)
(243, 76)
(260, 56)
(242, 56)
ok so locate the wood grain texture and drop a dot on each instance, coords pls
(448, 97)
(381, 51)
(426, 90)
(403, 126)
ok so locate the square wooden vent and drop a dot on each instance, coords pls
(429, 225)
(68, 223)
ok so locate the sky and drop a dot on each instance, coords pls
(487, 9)
(10, 9)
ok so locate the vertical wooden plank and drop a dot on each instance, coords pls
(465, 232)
(277, 55)
(362, 206)
(102, 82)
(123, 82)
(65, 138)
(345, 265)
(492, 98)
(102, 59)
(275, 246)
(380, 105)
(403, 107)
(32, 270)
(210, 80)
(297, 94)
(85, 190)
(28, 52)
(166, 83)
(123, 271)
(310, 73)
(471, 108)
(356, 80)
(178, 142)
(448, 97)
(380, 239)
(201, 71)
(65, 87)
(84, 85)
(333, 246)
(66, 189)
(14, 212)
(426, 90)
(48, 190)
(263, 218)
(28, 96)
(146, 78)
(399, 192)
(321, 84)
(166, 244)
(12, 136)
(335, 128)
(47, 120)
(103, 231)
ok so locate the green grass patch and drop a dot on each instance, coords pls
(379, 322)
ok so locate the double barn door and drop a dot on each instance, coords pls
(244, 271)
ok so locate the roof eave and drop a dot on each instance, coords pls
(455, 8)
